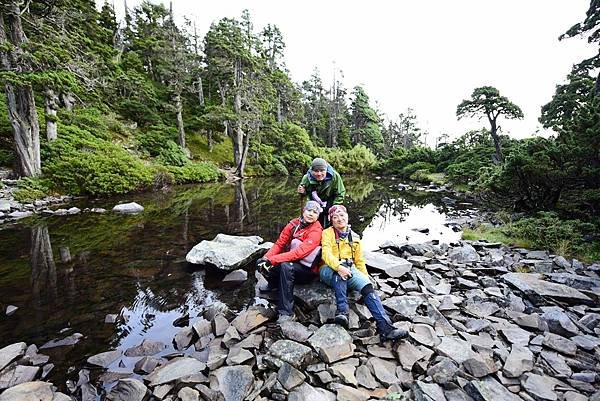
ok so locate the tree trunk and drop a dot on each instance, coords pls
(496, 138)
(20, 99)
(209, 140)
(178, 112)
(43, 268)
(200, 92)
(51, 102)
(237, 136)
(279, 112)
(244, 156)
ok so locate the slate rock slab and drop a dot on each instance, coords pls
(227, 252)
(11, 352)
(489, 389)
(104, 359)
(463, 254)
(332, 343)
(175, 369)
(534, 284)
(406, 306)
(296, 354)
(128, 390)
(67, 341)
(391, 265)
(234, 382)
(519, 361)
(146, 348)
(17, 374)
(33, 391)
(306, 392)
(252, 318)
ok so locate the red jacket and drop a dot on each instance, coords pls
(310, 237)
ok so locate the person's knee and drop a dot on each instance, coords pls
(366, 290)
(287, 270)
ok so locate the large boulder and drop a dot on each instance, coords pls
(227, 252)
(463, 254)
(332, 343)
(128, 208)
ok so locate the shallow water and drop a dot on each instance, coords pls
(67, 273)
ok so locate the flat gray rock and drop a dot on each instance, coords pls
(393, 266)
(560, 344)
(104, 359)
(314, 294)
(541, 387)
(289, 376)
(519, 361)
(175, 369)
(428, 392)
(227, 252)
(18, 374)
(128, 390)
(559, 323)
(33, 391)
(296, 331)
(406, 305)
(67, 341)
(384, 371)
(251, 318)
(532, 283)
(488, 389)
(236, 276)
(146, 348)
(463, 254)
(332, 343)
(128, 208)
(296, 354)
(455, 349)
(234, 382)
(11, 352)
(306, 392)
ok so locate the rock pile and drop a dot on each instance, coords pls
(486, 323)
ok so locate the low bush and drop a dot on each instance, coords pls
(78, 162)
(195, 172)
(32, 188)
(359, 159)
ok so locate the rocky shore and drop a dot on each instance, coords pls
(486, 323)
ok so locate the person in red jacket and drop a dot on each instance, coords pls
(293, 258)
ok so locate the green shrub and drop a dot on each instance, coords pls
(171, 154)
(7, 158)
(408, 170)
(32, 188)
(195, 172)
(81, 163)
(359, 159)
(547, 231)
(90, 119)
(153, 141)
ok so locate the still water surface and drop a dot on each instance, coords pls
(67, 273)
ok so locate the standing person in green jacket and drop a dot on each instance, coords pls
(323, 184)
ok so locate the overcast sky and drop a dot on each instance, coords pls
(427, 55)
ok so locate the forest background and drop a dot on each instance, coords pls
(99, 106)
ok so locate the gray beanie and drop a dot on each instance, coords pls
(318, 164)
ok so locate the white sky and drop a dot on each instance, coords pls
(427, 55)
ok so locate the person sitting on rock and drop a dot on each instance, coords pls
(344, 268)
(294, 258)
(323, 184)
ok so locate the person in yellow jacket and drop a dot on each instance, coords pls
(344, 268)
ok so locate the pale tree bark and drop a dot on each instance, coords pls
(51, 109)
(43, 268)
(179, 115)
(494, 132)
(20, 99)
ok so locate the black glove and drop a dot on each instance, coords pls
(263, 265)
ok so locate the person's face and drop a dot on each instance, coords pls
(340, 220)
(310, 215)
(319, 174)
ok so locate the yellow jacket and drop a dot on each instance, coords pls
(333, 251)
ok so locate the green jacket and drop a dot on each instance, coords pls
(330, 190)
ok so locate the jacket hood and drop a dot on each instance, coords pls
(328, 176)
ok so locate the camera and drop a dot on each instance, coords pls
(347, 263)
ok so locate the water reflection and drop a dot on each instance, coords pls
(43, 268)
(134, 265)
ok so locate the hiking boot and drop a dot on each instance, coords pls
(265, 288)
(285, 318)
(342, 320)
(393, 334)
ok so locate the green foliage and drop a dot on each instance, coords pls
(195, 172)
(357, 160)
(172, 154)
(365, 122)
(157, 136)
(32, 188)
(7, 158)
(402, 158)
(81, 163)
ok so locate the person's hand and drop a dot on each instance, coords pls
(263, 265)
(344, 272)
(301, 189)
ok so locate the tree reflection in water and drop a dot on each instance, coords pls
(43, 268)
